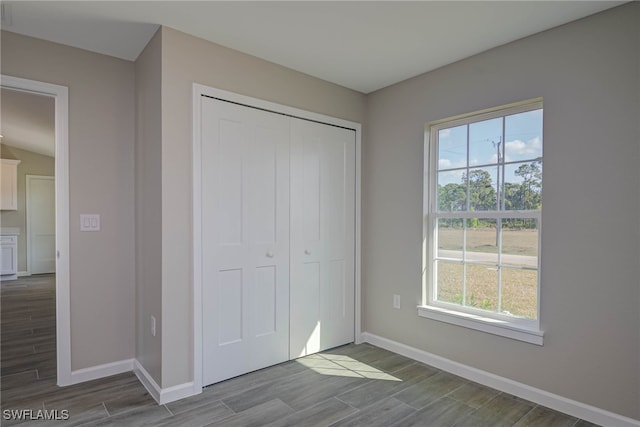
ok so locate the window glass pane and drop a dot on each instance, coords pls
(520, 242)
(450, 281)
(450, 238)
(482, 287)
(523, 133)
(482, 189)
(487, 169)
(452, 147)
(520, 292)
(523, 186)
(452, 191)
(484, 140)
(482, 240)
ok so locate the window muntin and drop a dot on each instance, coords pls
(483, 214)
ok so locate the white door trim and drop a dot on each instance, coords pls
(198, 91)
(29, 178)
(63, 305)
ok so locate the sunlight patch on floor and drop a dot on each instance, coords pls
(343, 366)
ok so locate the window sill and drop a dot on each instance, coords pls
(484, 324)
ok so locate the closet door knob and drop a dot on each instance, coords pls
(270, 254)
(307, 252)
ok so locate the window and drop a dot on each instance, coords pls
(483, 198)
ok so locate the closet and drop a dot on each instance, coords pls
(278, 240)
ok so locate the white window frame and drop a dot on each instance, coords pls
(527, 330)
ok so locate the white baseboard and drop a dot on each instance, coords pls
(541, 397)
(165, 395)
(161, 395)
(147, 380)
(101, 371)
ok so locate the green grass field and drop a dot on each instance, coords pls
(519, 287)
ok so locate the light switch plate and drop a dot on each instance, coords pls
(89, 222)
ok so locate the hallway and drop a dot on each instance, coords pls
(29, 327)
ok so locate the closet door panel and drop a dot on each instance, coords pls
(322, 237)
(229, 195)
(245, 235)
(230, 290)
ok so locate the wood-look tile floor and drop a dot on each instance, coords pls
(353, 385)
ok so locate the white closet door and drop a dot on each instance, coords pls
(245, 239)
(322, 237)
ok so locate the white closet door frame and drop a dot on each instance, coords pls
(199, 91)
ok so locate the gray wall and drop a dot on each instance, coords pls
(148, 173)
(101, 141)
(187, 59)
(588, 73)
(30, 164)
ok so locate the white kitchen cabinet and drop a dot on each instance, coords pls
(9, 185)
(8, 257)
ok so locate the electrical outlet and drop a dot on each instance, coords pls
(396, 301)
(153, 326)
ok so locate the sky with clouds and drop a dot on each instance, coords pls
(522, 133)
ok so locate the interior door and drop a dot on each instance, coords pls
(322, 237)
(41, 224)
(245, 235)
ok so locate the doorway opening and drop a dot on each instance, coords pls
(35, 133)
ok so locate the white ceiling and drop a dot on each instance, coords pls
(363, 45)
(28, 121)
